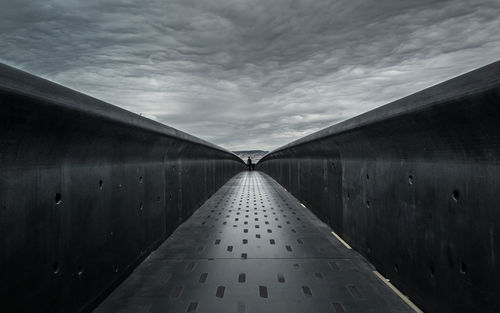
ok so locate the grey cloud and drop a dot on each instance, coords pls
(249, 74)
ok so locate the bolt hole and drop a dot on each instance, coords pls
(410, 179)
(58, 198)
(368, 204)
(456, 195)
(80, 270)
(367, 177)
(220, 292)
(396, 268)
(100, 184)
(263, 291)
(141, 206)
(432, 269)
(116, 268)
(140, 179)
(55, 268)
(463, 268)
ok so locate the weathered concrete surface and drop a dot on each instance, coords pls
(414, 186)
(87, 190)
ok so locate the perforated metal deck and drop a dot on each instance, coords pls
(253, 248)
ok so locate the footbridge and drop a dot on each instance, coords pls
(395, 210)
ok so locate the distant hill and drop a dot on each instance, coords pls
(255, 155)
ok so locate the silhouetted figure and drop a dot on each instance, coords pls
(249, 163)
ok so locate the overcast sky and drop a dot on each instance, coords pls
(249, 74)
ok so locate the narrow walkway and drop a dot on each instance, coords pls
(253, 248)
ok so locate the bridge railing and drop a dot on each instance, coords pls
(87, 191)
(415, 187)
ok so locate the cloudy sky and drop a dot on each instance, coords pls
(249, 74)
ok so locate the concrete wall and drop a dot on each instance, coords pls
(88, 190)
(415, 187)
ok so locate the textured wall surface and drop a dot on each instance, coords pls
(415, 187)
(87, 190)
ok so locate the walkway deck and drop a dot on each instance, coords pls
(253, 248)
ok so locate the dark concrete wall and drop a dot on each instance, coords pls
(415, 187)
(88, 190)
